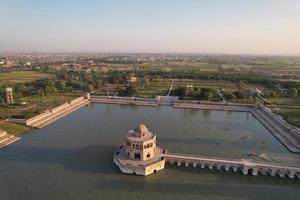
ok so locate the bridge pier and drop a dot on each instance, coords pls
(194, 164)
(186, 163)
(291, 174)
(281, 173)
(254, 171)
(227, 168)
(178, 163)
(235, 168)
(202, 165)
(210, 165)
(171, 162)
(219, 166)
(272, 172)
(263, 172)
(245, 170)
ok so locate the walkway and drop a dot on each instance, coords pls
(245, 166)
(170, 88)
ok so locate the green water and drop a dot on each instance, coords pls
(72, 158)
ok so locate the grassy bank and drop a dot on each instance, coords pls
(38, 104)
(292, 115)
(22, 76)
(34, 105)
(286, 101)
(13, 129)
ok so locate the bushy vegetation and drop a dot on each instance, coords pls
(207, 79)
(196, 93)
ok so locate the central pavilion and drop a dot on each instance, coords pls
(140, 153)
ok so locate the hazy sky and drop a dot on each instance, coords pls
(187, 26)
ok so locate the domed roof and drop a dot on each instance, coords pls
(139, 134)
(141, 131)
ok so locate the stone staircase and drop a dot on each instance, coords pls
(6, 139)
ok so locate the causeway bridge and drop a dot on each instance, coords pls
(236, 165)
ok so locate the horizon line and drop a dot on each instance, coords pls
(146, 53)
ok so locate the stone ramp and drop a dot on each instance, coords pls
(6, 139)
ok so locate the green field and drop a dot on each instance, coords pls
(161, 86)
(152, 88)
(22, 76)
(292, 115)
(286, 101)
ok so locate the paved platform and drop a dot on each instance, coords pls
(139, 167)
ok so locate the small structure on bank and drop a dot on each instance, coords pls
(140, 154)
(9, 95)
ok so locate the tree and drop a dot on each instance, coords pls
(51, 89)
(279, 92)
(273, 94)
(20, 89)
(89, 88)
(69, 89)
(229, 96)
(63, 74)
(241, 85)
(207, 93)
(256, 100)
(181, 91)
(40, 92)
(127, 91)
(61, 85)
(293, 92)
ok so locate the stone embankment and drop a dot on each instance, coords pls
(6, 139)
(124, 100)
(52, 115)
(206, 105)
(287, 134)
(245, 166)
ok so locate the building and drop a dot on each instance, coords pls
(140, 154)
(9, 96)
(87, 96)
(132, 79)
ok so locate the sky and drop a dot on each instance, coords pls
(151, 26)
